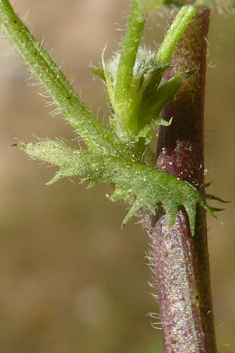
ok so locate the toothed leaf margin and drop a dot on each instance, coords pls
(137, 184)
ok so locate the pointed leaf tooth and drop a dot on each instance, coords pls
(191, 211)
(216, 198)
(192, 220)
(133, 211)
(171, 213)
(207, 208)
(216, 209)
(55, 178)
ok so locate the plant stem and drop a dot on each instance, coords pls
(124, 80)
(181, 260)
(95, 135)
(128, 53)
(174, 33)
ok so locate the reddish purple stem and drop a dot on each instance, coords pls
(181, 260)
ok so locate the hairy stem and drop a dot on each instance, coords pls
(128, 53)
(174, 33)
(96, 136)
(181, 260)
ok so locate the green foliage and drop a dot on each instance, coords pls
(120, 155)
(135, 183)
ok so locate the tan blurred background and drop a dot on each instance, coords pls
(70, 279)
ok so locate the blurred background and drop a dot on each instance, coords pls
(70, 279)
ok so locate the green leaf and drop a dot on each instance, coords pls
(98, 72)
(137, 184)
(152, 106)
